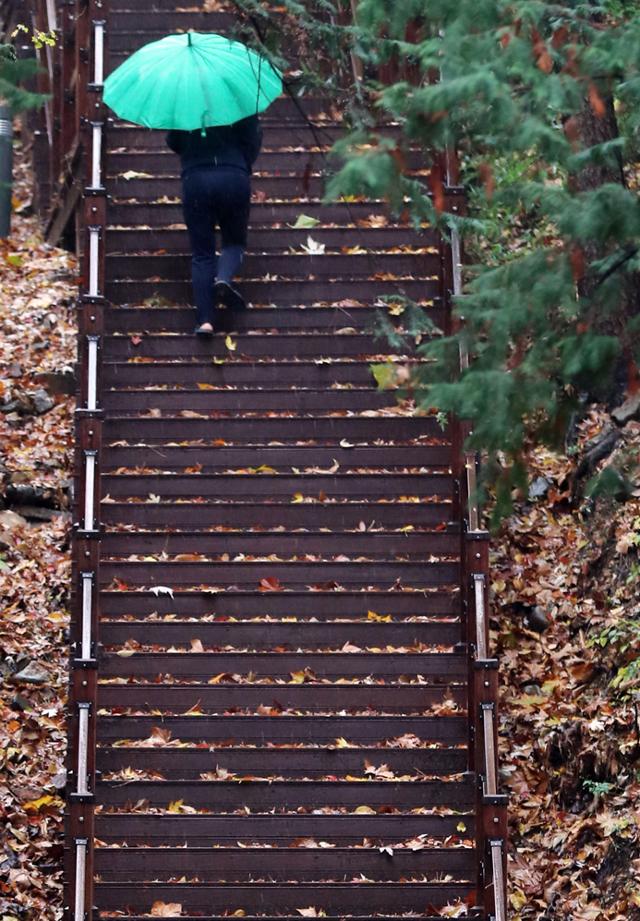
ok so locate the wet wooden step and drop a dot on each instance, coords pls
(264, 215)
(277, 134)
(347, 898)
(258, 430)
(151, 6)
(264, 515)
(185, 763)
(203, 666)
(317, 730)
(262, 796)
(270, 486)
(306, 864)
(165, 161)
(383, 573)
(151, 189)
(269, 347)
(198, 830)
(308, 697)
(173, 457)
(282, 292)
(285, 636)
(169, 19)
(289, 266)
(269, 239)
(281, 917)
(304, 372)
(321, 605)
(129, 402)
(289, 543)
(182, 319)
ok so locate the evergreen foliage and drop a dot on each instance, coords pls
(541, 100)
(16, 72)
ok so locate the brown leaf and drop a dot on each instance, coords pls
(596, 101)
(165, 909)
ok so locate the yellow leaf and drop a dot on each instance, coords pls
(34, 805)
(342, 743)
(298, 677)
(297, 497)
(176, 806)
(364, 810)
(204, 386)
(461, 827)
(230, 344)
(379, 618)
(518, 899)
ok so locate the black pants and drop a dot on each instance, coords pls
(215, 196)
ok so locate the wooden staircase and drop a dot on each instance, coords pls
(281, 704)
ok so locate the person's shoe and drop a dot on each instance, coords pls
(228, 295)
(205, 330)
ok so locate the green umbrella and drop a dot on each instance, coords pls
(190, 81)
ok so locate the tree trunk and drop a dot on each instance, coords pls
(597, 124)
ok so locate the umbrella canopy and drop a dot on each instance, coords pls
(191, 81)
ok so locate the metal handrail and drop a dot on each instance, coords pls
(499, 882)
(490, 776)
(481, 652)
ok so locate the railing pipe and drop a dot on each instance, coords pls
(96, 155)
(92, 372)
(87, 614)
(488, 727)
(499, 882)
(94, 261)
(91, 456)
(479, 585)
(80, 879)
(98, 51)
(83, 748)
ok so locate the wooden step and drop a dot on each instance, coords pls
(262, 515)
(307, 372)
(254, 319)
(199, 830)
(343, 899)
(309, 696)
(281, 292)
(320, 605)
(143, 265)
(307, 864)
(189, 763)
(282, 636)
(165, 161)
(268, 239)
(265, 346)
(445, 667)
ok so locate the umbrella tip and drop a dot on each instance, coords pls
(189, 37)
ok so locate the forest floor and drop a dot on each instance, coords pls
(566, 617)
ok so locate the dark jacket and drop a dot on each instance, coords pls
(225, 145)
